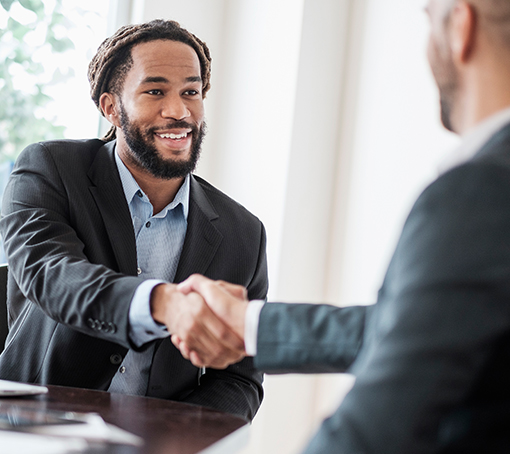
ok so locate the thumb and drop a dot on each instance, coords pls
(189, 285)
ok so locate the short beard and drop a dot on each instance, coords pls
(446, 104)
(447, 81)
(145, 155)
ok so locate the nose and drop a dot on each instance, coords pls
(175, 108)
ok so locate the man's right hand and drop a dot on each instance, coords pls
(228, 301)
(207, 341)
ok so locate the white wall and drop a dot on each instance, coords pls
(323, 121)
(397, 145)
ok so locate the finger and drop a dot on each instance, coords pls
(208, 335)
(212, 337)
(218, 363)
(188, 285)
(196, 359)
(198, 329)
(235, 290)
(229, 309)
(181, 346)
(176, 340)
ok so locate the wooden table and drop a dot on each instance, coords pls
(167, 427)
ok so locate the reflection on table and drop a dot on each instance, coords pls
(166, 427)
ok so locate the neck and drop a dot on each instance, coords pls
(160, 192)
(485, 92)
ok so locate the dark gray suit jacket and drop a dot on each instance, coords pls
(72, 273)
(432, 357)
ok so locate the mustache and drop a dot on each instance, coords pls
(181, 124)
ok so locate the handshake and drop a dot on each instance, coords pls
(205, 319)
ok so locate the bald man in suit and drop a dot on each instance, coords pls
(431, 357)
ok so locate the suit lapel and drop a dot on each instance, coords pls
(202, 238)
(111, 202)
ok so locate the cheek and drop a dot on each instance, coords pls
(434, 56)
(197, 111)
(139, 113)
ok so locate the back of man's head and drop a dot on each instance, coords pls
(109, 67)
(494, 18)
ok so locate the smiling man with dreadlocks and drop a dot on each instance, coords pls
(96, 231)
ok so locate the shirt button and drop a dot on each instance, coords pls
(148, 224)
(138, 271)
(116, 359)
(122, 369)
(139, 194)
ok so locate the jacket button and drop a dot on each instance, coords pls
(116, 359)
(91, 323)
(112, 328)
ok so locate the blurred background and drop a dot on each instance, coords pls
(323, 121)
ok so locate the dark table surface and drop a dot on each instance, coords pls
(166, 427)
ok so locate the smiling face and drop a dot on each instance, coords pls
(160, 110)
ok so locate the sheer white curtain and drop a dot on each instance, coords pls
(323, 121)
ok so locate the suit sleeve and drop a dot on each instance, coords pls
(47, 259)
(309, 338)
(441, 313)
(238, 388)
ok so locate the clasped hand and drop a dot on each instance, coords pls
(205, 319)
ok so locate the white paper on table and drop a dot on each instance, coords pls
(93, 429)
(23, 443)
(13, 388)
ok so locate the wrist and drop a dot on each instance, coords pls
(238, 318)
(160, 302)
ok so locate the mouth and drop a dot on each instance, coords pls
(171, 135)
(175, 139)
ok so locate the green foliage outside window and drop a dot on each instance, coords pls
(22, 114)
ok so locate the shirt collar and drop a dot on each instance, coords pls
(474, 139)
(131, 188)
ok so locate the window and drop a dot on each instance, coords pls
(45, 48)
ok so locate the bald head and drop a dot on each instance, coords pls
(494, 16)
(469, 53)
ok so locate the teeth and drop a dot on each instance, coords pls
(173, 136)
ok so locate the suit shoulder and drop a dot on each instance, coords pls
(63, 148)
(496, 150)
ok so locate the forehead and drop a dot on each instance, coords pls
(164, 57)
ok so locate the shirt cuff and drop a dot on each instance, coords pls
(251, 326)
(142, 327)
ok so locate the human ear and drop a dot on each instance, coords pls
(108, 104)
(462, 31)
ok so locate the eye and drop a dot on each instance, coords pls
(191, 92)
(155, 91)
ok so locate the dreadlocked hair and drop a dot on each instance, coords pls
(109, 67)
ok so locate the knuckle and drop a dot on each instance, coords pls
(224, 335)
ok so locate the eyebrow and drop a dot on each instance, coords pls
(164, 80)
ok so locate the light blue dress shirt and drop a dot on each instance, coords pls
(159, 241)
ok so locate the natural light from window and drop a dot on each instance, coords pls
(45, 48)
